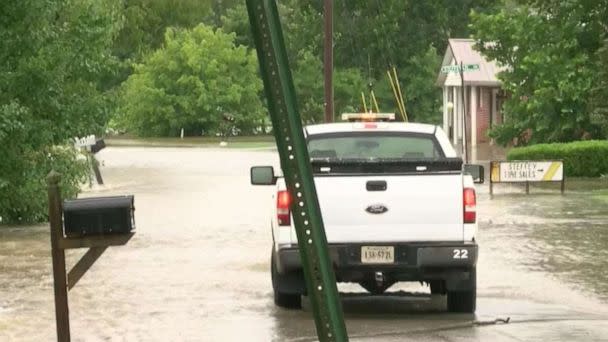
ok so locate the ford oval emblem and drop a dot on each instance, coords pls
(376, 209)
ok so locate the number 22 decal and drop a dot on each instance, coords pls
(461, 254)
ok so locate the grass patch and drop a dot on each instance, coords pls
(601, 195)
(258, 141)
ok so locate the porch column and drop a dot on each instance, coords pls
(473, 111)
(494, 114)
(456, 115)
(446, 124)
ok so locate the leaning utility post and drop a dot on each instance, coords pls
(297, 170)
(328, 59)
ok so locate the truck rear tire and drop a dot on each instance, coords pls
(437, 287)
(282, 299)
(464, 301)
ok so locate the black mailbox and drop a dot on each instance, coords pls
(98, 216)
(100, 144)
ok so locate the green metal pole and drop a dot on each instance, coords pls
(295, 162)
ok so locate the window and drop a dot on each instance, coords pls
(377, 145)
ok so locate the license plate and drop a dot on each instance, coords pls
(377, 254)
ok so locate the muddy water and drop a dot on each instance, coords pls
(197, 269)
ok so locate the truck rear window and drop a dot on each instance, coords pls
(374, 145)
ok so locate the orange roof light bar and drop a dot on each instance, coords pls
(358, 117)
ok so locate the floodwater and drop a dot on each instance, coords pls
(197, 268)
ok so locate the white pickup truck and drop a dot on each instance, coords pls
(396, 205)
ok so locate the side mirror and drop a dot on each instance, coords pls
(263, 175)
(476, 171)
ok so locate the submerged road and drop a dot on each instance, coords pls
(198, 267)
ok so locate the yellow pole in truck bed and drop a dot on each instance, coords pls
(375, 102)
(390, 78)
(364, 103)
(400, 94)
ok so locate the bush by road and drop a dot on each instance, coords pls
(581, 158)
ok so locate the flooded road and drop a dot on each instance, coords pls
(197, 269)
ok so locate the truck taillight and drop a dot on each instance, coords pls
(469, 203)
(283, 208)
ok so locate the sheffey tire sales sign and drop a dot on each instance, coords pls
(527, 171)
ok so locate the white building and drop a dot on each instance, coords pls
(482, 95)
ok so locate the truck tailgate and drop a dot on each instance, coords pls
(422, 207)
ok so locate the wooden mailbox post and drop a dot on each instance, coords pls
(96, 244)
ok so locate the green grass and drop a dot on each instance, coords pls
(601, 195)
(258, 141)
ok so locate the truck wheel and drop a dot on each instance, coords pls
(464, 301)
(437, 287)
(284, 300)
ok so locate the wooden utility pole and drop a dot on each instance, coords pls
(328, 60)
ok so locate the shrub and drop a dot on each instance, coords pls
(581, 158)
(199, 80)
(23, 193)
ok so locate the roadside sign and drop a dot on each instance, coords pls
(527, 171)
(456, 68)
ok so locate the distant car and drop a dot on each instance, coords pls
(396, 205)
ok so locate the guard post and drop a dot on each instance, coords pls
(526, 172)
(297, 170)
(94, 223)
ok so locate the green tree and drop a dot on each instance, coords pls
(194, 81)
(308, 81)
(410, 35)
(236, 20)
(551, 49)
(53, 55)
(371, 36)
(599, 101)
(146, 21)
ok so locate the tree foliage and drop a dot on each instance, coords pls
(195, 81)
(52, 57)
(147, 20)
(552, 51)
(156, 66)
(373, 36)
(369, 37)
(598, 106)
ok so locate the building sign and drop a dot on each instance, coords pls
(456, 68)
(527, 171)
